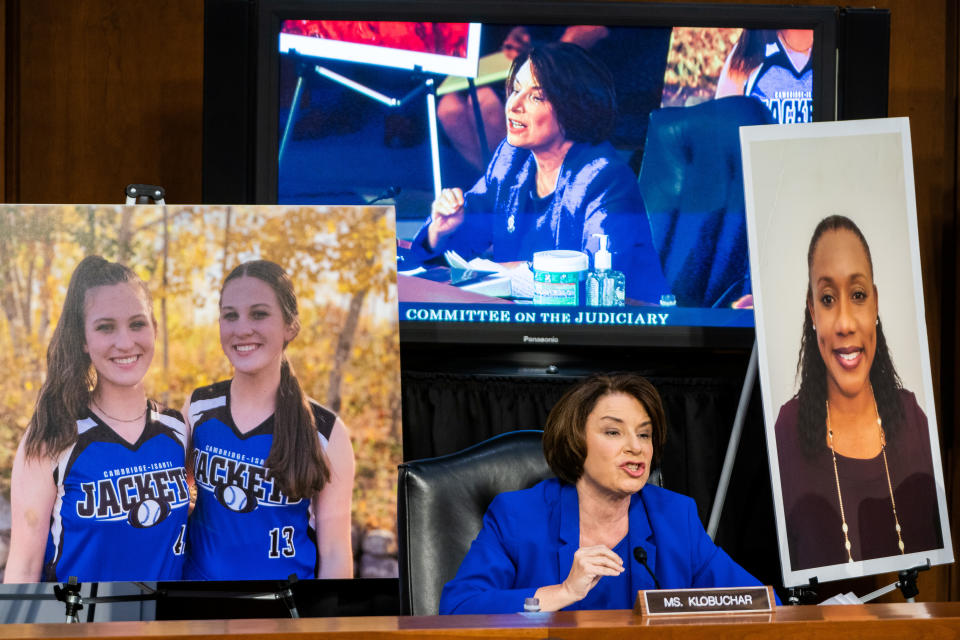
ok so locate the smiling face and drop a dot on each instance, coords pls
(531, 120)
(843, 306)
(253, 331)
(119, 333)
(619, 440)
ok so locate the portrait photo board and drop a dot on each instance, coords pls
(342, 264)
(794, 177)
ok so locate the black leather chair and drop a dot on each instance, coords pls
(440, 507)
(692, 185)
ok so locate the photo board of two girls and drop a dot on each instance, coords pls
(197, 392)
(844, 359)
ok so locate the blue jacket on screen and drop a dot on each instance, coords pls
(529, 538)
(596, 192)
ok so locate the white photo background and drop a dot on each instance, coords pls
(794, 177)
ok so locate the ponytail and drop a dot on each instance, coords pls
(296, 462)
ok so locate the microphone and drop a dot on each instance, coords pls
(388, 193)
(641, 556)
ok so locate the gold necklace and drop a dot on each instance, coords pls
(97, 405)
(836, 476)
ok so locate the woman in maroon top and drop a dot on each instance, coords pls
(853, 445)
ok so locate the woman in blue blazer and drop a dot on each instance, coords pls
(554, 182)
(570, 541)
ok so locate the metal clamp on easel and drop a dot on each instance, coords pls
(906, 582)
(144, 193)
(69, 594)
(806, 594)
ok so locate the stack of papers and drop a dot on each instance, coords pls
(514, 283)
(843, 598)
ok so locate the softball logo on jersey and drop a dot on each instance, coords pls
(239, 485)
(144, 499)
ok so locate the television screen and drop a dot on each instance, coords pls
(646, 191)
(633, 218)
(237, 364)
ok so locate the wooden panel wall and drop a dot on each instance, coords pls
(100, 93)
(103, 93)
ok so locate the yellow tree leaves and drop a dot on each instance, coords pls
(334, 255)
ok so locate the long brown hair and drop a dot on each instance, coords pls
(65, 394)
(296, 462)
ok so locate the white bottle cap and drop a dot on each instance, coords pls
(560, 261)
(601, 259)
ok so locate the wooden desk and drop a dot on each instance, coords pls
(414, 289)
(872, 621)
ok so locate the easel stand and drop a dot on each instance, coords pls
(906, 582)
(426, 85)
(70, 595)
(284, 593)
(733, 444)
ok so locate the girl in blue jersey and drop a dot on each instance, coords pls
(273, 469)
(99, 487)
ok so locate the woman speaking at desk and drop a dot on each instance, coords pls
(554, 181)
(572, 541)
(853, 445)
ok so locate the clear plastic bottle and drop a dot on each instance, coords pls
(605, 287)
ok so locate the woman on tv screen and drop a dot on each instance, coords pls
(99, 488)
(853, 445)
(273, 469)
(554, 181)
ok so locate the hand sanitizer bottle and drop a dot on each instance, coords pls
(605, 287)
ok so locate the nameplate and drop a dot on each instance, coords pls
(685, 602)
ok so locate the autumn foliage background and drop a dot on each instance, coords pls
(341, 260)
(694, 61)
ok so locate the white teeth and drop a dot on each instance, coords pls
(243, 348)
(514, 123)
(127, 360)
(850, 356)
(633, 466)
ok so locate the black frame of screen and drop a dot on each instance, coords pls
(241, 84)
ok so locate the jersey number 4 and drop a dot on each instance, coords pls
(178, 545)
(288, 551)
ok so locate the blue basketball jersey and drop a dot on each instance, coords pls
(121, 509)
(786, 91)
(243, 526)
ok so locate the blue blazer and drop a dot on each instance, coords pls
(529, 538)
(596, 192)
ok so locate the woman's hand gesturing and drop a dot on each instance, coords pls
(589, 565)
(446, 215)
